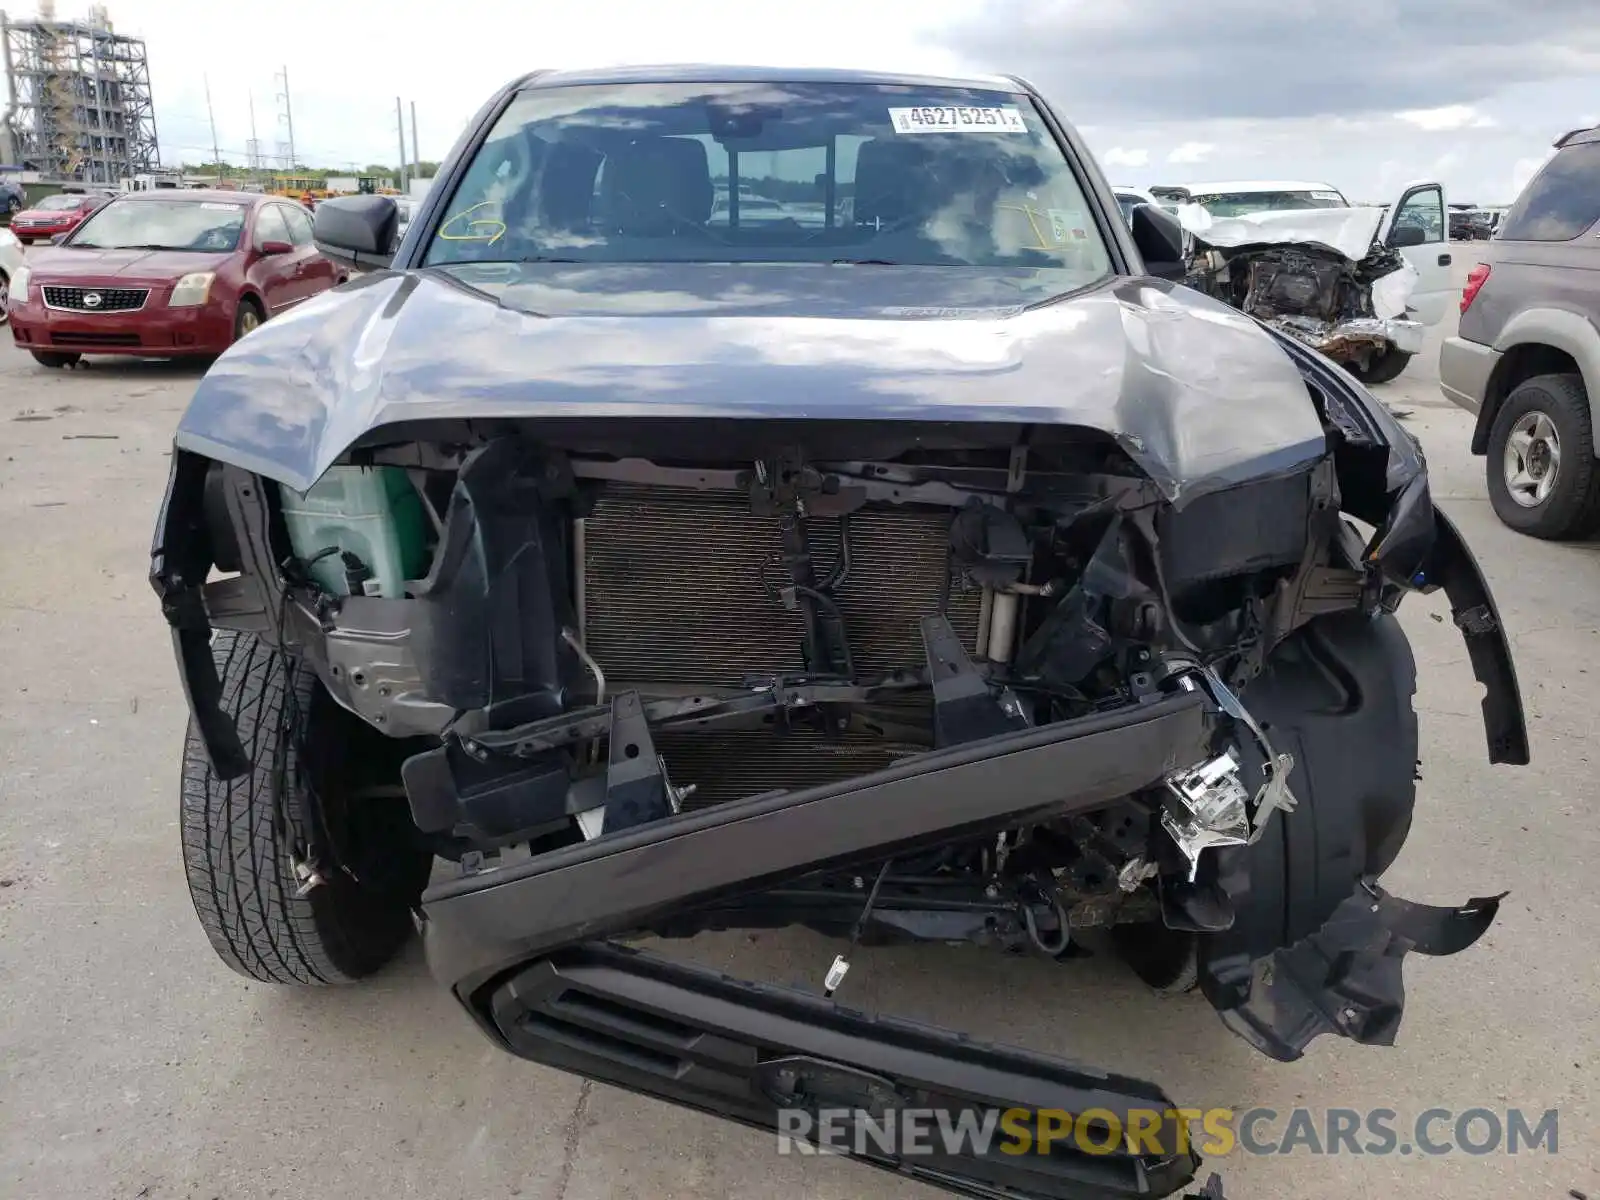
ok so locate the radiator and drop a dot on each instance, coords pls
(674, 599)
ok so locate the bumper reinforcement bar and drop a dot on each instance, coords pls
(489, 921)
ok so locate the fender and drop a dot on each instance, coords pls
(1559, 328)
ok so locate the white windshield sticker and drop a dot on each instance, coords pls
(221, 207)
(957, 120)
(1325, 195)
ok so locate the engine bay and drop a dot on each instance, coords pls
(592, 643)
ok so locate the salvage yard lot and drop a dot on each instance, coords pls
(132, 1064)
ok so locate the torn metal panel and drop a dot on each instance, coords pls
(1318, 275)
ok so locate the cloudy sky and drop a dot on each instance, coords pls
(1365, 94)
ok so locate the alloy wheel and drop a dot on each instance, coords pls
(1532, 459)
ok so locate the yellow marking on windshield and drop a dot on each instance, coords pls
(1028, 211)
(488, 238)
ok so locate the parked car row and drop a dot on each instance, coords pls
(55, 215)
(1473, 224)
(163, 273)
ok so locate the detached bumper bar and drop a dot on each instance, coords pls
(483, 924)
(775, 1058)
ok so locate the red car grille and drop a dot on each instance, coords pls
(106, 300)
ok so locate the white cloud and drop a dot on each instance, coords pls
(344, 104)
(1450, 116)
(1121, 156)
(1192, 152)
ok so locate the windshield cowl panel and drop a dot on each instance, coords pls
(772, 172)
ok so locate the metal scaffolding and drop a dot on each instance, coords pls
(80, 106)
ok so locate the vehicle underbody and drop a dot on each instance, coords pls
(892, 681)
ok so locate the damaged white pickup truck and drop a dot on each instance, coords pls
(1360, 285)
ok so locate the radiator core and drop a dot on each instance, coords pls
(675, 599)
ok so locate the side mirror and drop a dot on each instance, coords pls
(57, 238)
(1407, 235)
(358, 230)
(1159, 237)
(268, 249)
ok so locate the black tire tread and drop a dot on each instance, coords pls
(1576, 513)
(236, 858)
(1385, 369)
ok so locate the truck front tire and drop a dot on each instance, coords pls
(301, 802)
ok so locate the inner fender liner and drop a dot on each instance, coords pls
(1346, 977)
(481, 924)
(746, 1051)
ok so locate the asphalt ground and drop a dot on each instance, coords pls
(134, 1065)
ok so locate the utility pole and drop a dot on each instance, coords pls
(416, 154)
(287, 115)
(254, 156)
(400, 120)
(216, 155)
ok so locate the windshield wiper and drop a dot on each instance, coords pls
(865, 262)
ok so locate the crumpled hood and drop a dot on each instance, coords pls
(1198, 394)
(1350, 231)
(1346, 231)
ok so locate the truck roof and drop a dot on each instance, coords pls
(725, 73)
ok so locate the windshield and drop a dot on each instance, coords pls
(61, 203)
(1238, 204)
(163, 225)
(771, 172)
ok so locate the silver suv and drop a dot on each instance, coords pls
(1527, 359)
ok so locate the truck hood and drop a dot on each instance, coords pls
(1198, 394)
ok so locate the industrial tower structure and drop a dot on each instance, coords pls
(79, 99)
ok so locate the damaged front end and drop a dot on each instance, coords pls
(1330, 285)
(892, 681)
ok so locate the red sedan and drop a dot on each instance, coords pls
(166, 274)
(61, 213)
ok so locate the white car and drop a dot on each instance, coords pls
(10, 265)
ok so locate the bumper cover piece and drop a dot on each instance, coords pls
(746, 1052)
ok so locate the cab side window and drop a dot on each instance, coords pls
(1424, 209)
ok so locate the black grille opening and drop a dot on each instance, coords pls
(105, 300)
(94, 339)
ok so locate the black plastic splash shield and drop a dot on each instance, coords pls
(1346, 977)
(747, 1052)
(480, 925)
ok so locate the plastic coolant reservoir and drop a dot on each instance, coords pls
(371, 512)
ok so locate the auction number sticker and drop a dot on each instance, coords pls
(955, 119)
